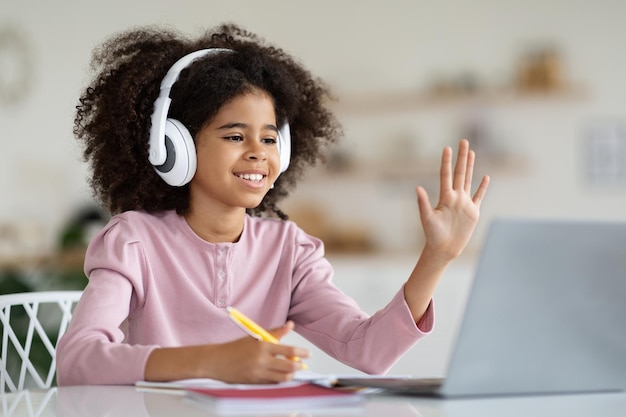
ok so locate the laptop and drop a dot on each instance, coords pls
(546, 314)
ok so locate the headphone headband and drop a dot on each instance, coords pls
(171, 149)
(158, 151)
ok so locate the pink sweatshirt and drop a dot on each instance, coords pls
(154, 283)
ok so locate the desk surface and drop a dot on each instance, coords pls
(126, 401)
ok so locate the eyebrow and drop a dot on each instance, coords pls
(244, 126)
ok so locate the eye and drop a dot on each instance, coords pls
(269, 141)
(234, 138)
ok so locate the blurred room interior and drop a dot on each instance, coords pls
(536, 86)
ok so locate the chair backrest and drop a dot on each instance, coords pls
(32, 324)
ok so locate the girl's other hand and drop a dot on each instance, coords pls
(251, 361)
(244, 361)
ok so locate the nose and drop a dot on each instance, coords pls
(256, 151)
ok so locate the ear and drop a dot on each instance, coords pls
(180, 163)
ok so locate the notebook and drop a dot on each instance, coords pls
(272, 398)
(546, 314)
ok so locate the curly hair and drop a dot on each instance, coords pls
(113, 115)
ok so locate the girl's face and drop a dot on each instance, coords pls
(237, 155)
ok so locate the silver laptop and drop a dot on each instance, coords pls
(546, 314)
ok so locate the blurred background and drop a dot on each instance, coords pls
(536, 86)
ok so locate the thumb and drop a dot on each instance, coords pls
(280, 332)
(425, 209)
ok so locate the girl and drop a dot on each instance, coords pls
(192, 143)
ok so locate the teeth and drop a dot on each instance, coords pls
(251, 177)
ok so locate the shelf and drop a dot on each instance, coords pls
(419, 168)
(406, 101)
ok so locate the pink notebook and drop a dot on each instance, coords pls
(271, 397)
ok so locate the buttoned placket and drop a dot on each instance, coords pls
(222, 284)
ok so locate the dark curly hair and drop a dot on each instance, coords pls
(113, 115)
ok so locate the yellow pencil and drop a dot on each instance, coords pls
(254, 329)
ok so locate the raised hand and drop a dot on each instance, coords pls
(449, 226)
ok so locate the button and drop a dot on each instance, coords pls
(221, 302)
(223, 251)
(222, 274)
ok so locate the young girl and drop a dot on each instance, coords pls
(192, 143)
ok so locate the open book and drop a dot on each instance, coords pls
(180, 386)
(325, 380)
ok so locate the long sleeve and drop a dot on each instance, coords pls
(93, 350)
(334, 322)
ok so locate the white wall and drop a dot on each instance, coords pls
(357, 46)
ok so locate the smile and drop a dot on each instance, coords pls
(251, 177)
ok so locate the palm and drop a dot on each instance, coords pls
(449, 226)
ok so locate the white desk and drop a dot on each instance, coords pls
(126, 401)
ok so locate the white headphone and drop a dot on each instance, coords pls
(172, 150)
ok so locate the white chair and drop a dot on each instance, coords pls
(41, 317)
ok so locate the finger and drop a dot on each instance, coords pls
(423, 203)
(272, 376)
(291, 354)
(482, 189)
(469, 171)
(461, 166)
(289, 351)
(445, 172)
(282, 331)
(275, 369)
(285, 364)
(281, 363)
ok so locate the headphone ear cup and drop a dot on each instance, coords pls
(284, 146)
(180, 164)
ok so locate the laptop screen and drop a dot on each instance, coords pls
(546, 312)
